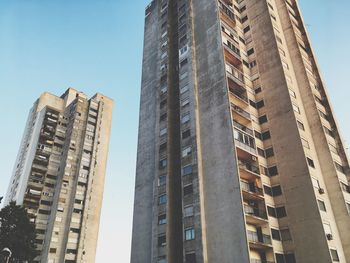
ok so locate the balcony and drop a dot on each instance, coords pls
(257, 241)
(242, 128)
(241, 115)
(235, 74)
(238, 94)
(255, 216)
(232, 55)
(251, 191)
(244, 141)
(227, 14)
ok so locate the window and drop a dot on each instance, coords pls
(162, 199)
(285, 234)
(301, 125)
(185, 102)
(185, 118)
(268, 190)
(262, 119)
(162, 219)
(281, 212)
(279, 258)
(186, 134)
(186, 151)
(188, 189)
(272, 171)
(275, 234)
(162, 163)
(348, 207)
(290, 258)
(246, 29)
(271, 211)
(162, 147)
(310, 162)
(261, 152)
(315, 183)
(250, 51)
(305, 143)
(162, 260)
(266, 135)
(189, 234)
(161, 241)
(269, 152)
(296, 108)
(162, 180)
(334, 254)
(276, 190)
(188, 211)
(322, 205)
(187, 170)
(327, 229)
(53, 250)
(339, 167)
(292, 93)
(184, 89)
(163, 132)
(260, 104)
(190, 258)
(258, 90)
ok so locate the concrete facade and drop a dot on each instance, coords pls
(59, 173)
(239, 157)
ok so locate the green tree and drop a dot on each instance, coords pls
(17, 232)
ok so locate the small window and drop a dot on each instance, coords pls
(268, 190)
(185, 118)
(261, 152)
(260, 104)
(162, 180)
(292, 93)
(258, 90)
(296, 108)
(305, 143)
(266, 135)
(269, 152)
(161, 241)
(163, 132)
(187, 170)
(186, 134)
(188, 211)
(186, 151)
(53, 250)
(189, 234)
(188, 189)
(184, 89)
(322, 205)
(315, 183)
(290, 258)
(279, 258)
(246, 29)
(276, 190)
(334, 254)
(272, 171)
(281, 212)
(162, 199)
(310, 162)
(185, 102)
(162, 163)
(162, 219)
(275, 234)
(327, 229)
(271, 211)
(301, 125)
(262, 119)
(285, 234)
(250, 51)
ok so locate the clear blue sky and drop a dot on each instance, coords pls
(96, 45)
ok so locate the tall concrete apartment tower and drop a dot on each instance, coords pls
(59, 173)
(240, 157)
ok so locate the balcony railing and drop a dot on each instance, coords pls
(243, 128)
(253, 211)
(242, 112)
(254, 237)
(248, 166)
(239, 95)
(252, 189)
(235, 73)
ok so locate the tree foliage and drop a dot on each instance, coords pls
(17, 232)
